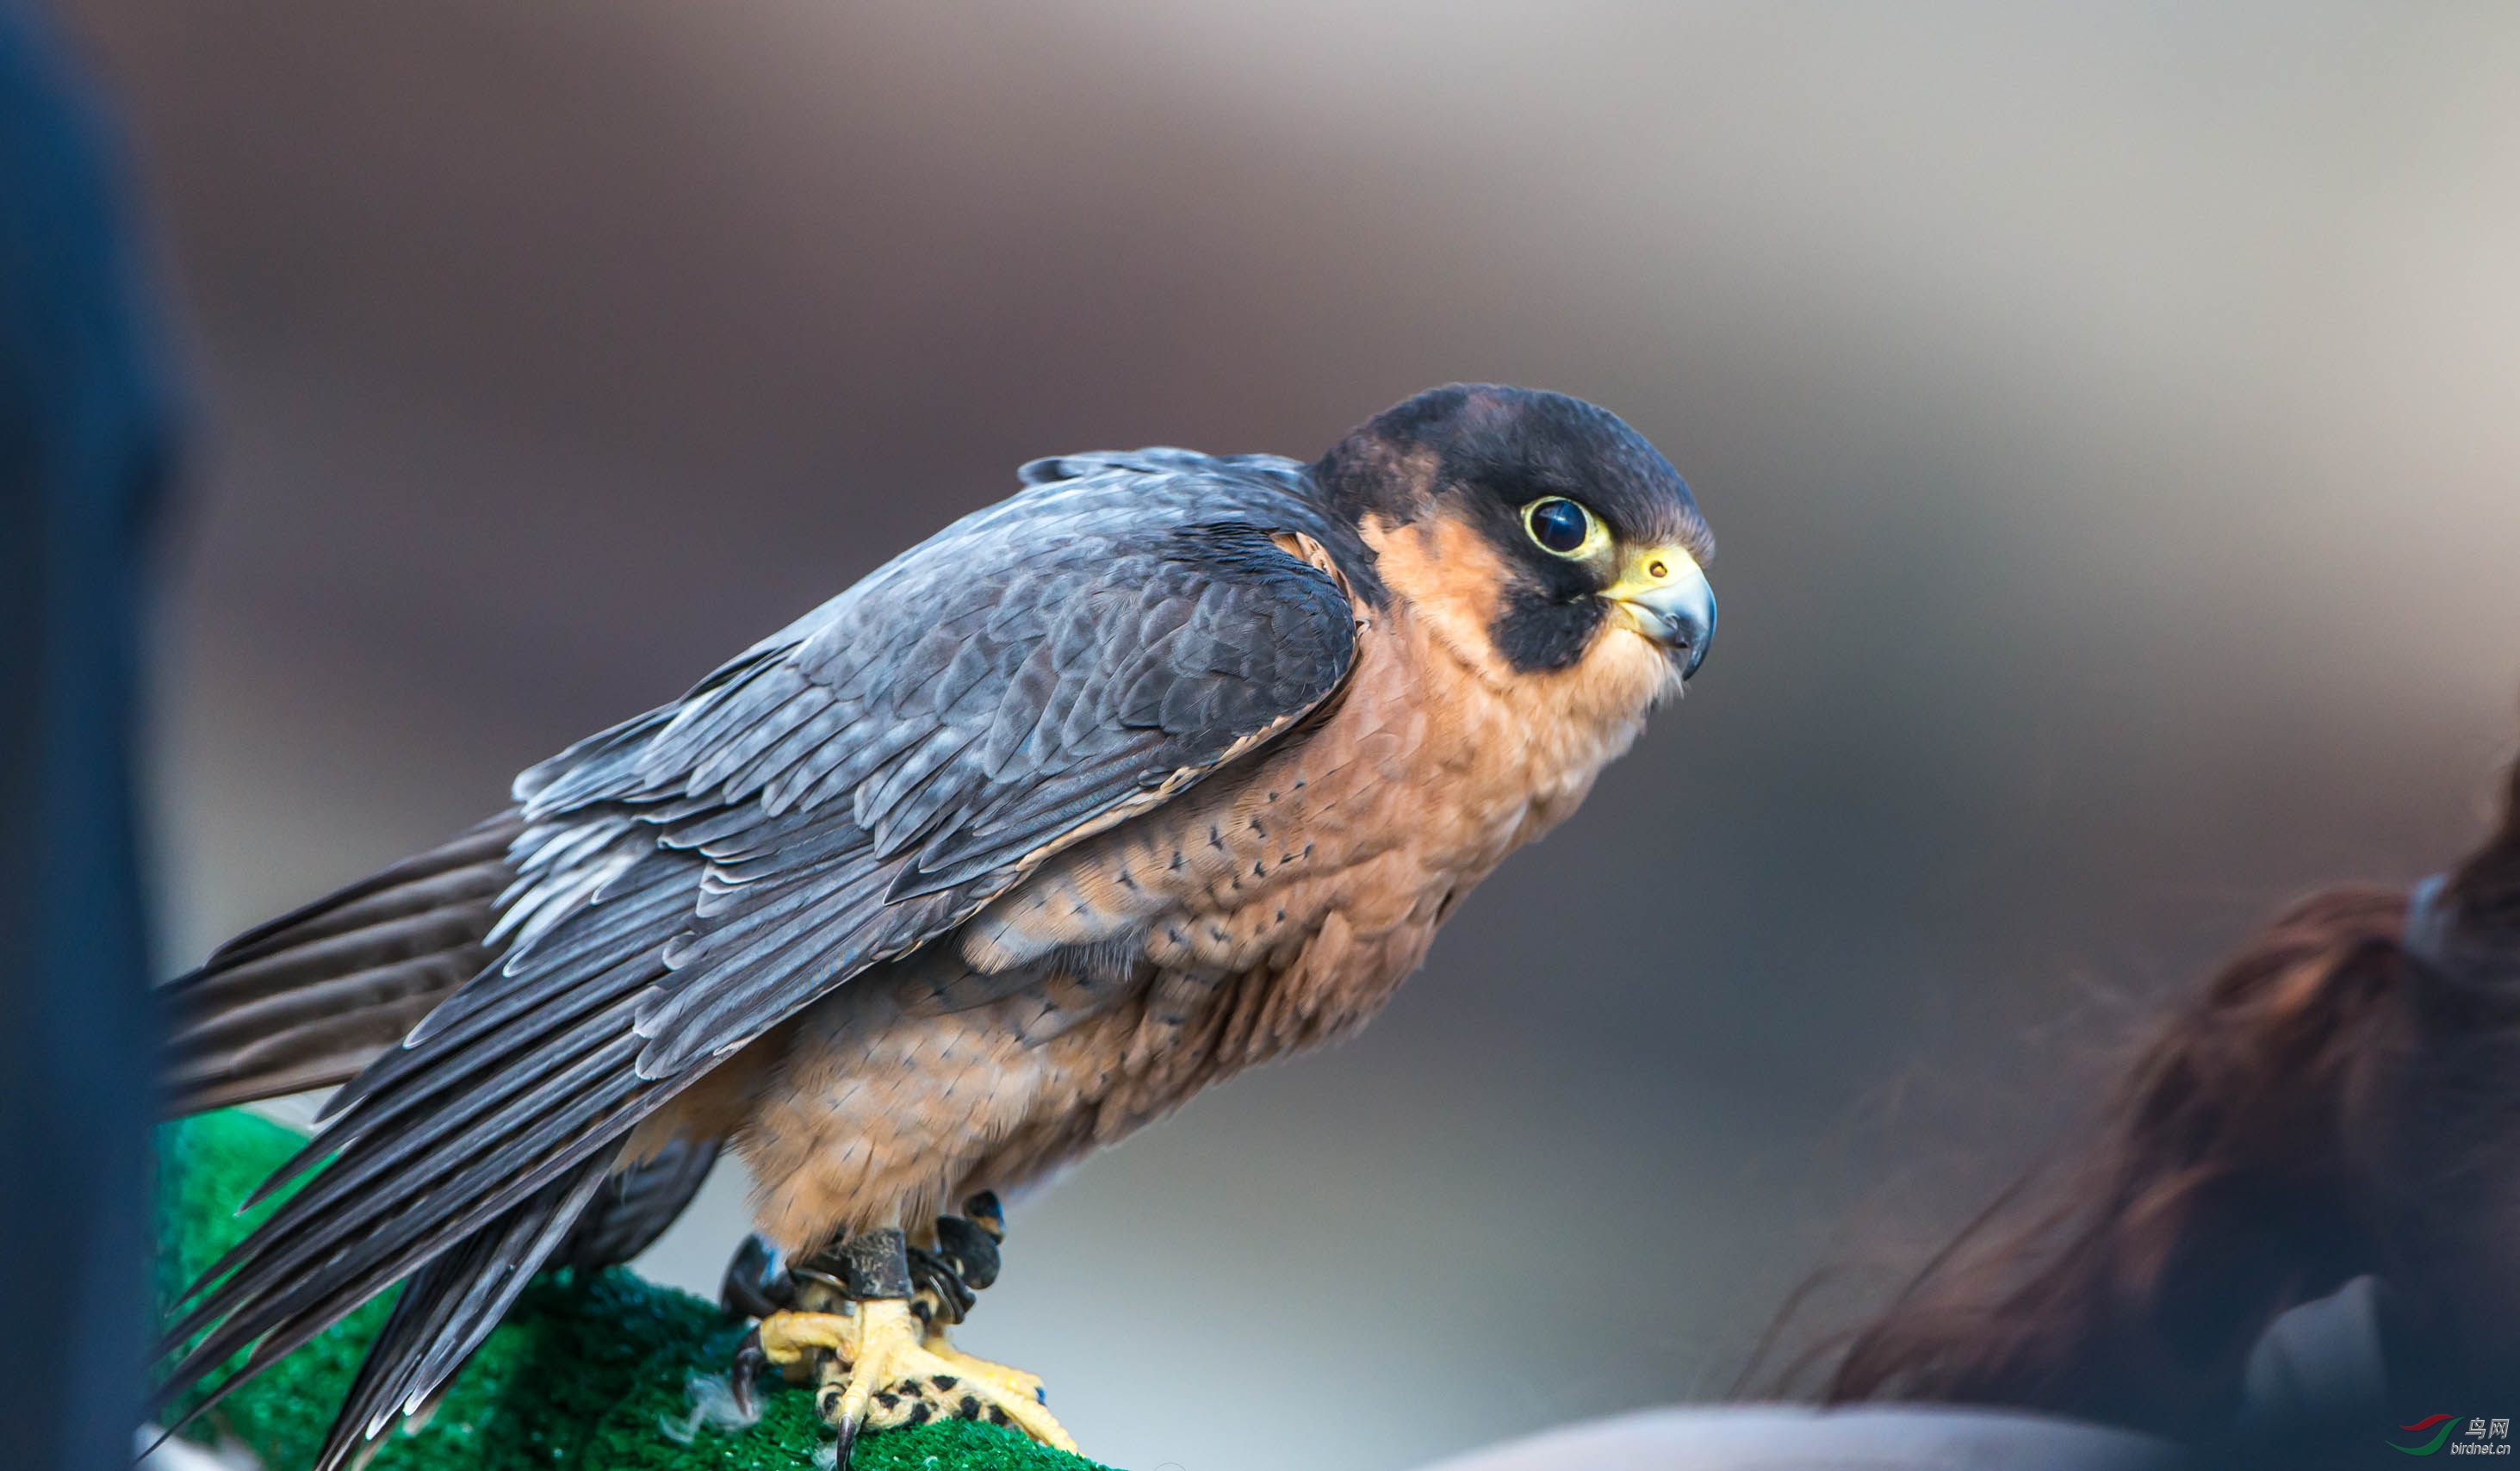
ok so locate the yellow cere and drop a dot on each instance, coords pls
(1649, 567)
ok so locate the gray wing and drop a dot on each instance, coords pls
(846, 790)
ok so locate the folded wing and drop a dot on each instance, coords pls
(843, 793)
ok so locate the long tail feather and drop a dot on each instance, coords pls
(311, 997)
(448, 1308)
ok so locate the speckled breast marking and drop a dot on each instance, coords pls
(1427, 775)
(1274, 907)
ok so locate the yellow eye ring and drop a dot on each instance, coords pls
(1563, 528)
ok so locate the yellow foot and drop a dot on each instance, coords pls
(878, 1372)
(1013, 1383)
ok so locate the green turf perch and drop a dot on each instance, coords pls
(594, 1375)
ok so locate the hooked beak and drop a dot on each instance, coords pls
(1664, 594)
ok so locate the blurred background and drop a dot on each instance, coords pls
(2107, 414)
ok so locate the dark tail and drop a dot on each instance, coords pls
(447, 1308)
(588, 1219)
(636, 1205)
(308, 999)
(459, 1162)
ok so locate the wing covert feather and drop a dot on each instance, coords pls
(841, 794)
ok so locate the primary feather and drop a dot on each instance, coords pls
(844, 791)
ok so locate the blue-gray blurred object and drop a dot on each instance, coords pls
(83, 433)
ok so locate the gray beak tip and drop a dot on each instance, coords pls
(1685, 610)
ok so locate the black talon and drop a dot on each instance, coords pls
(744, 1376)
(943, 1296)
(755, 1284)
(969, 1248)
(877, 1265)
(964, 1261)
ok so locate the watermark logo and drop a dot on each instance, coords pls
(2478, 1437)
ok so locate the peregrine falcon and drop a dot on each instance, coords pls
(1164, 766)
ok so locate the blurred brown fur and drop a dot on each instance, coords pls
(2337, 1101)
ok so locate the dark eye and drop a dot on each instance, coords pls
(1558, 524)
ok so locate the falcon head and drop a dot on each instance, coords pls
(1534, 526)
